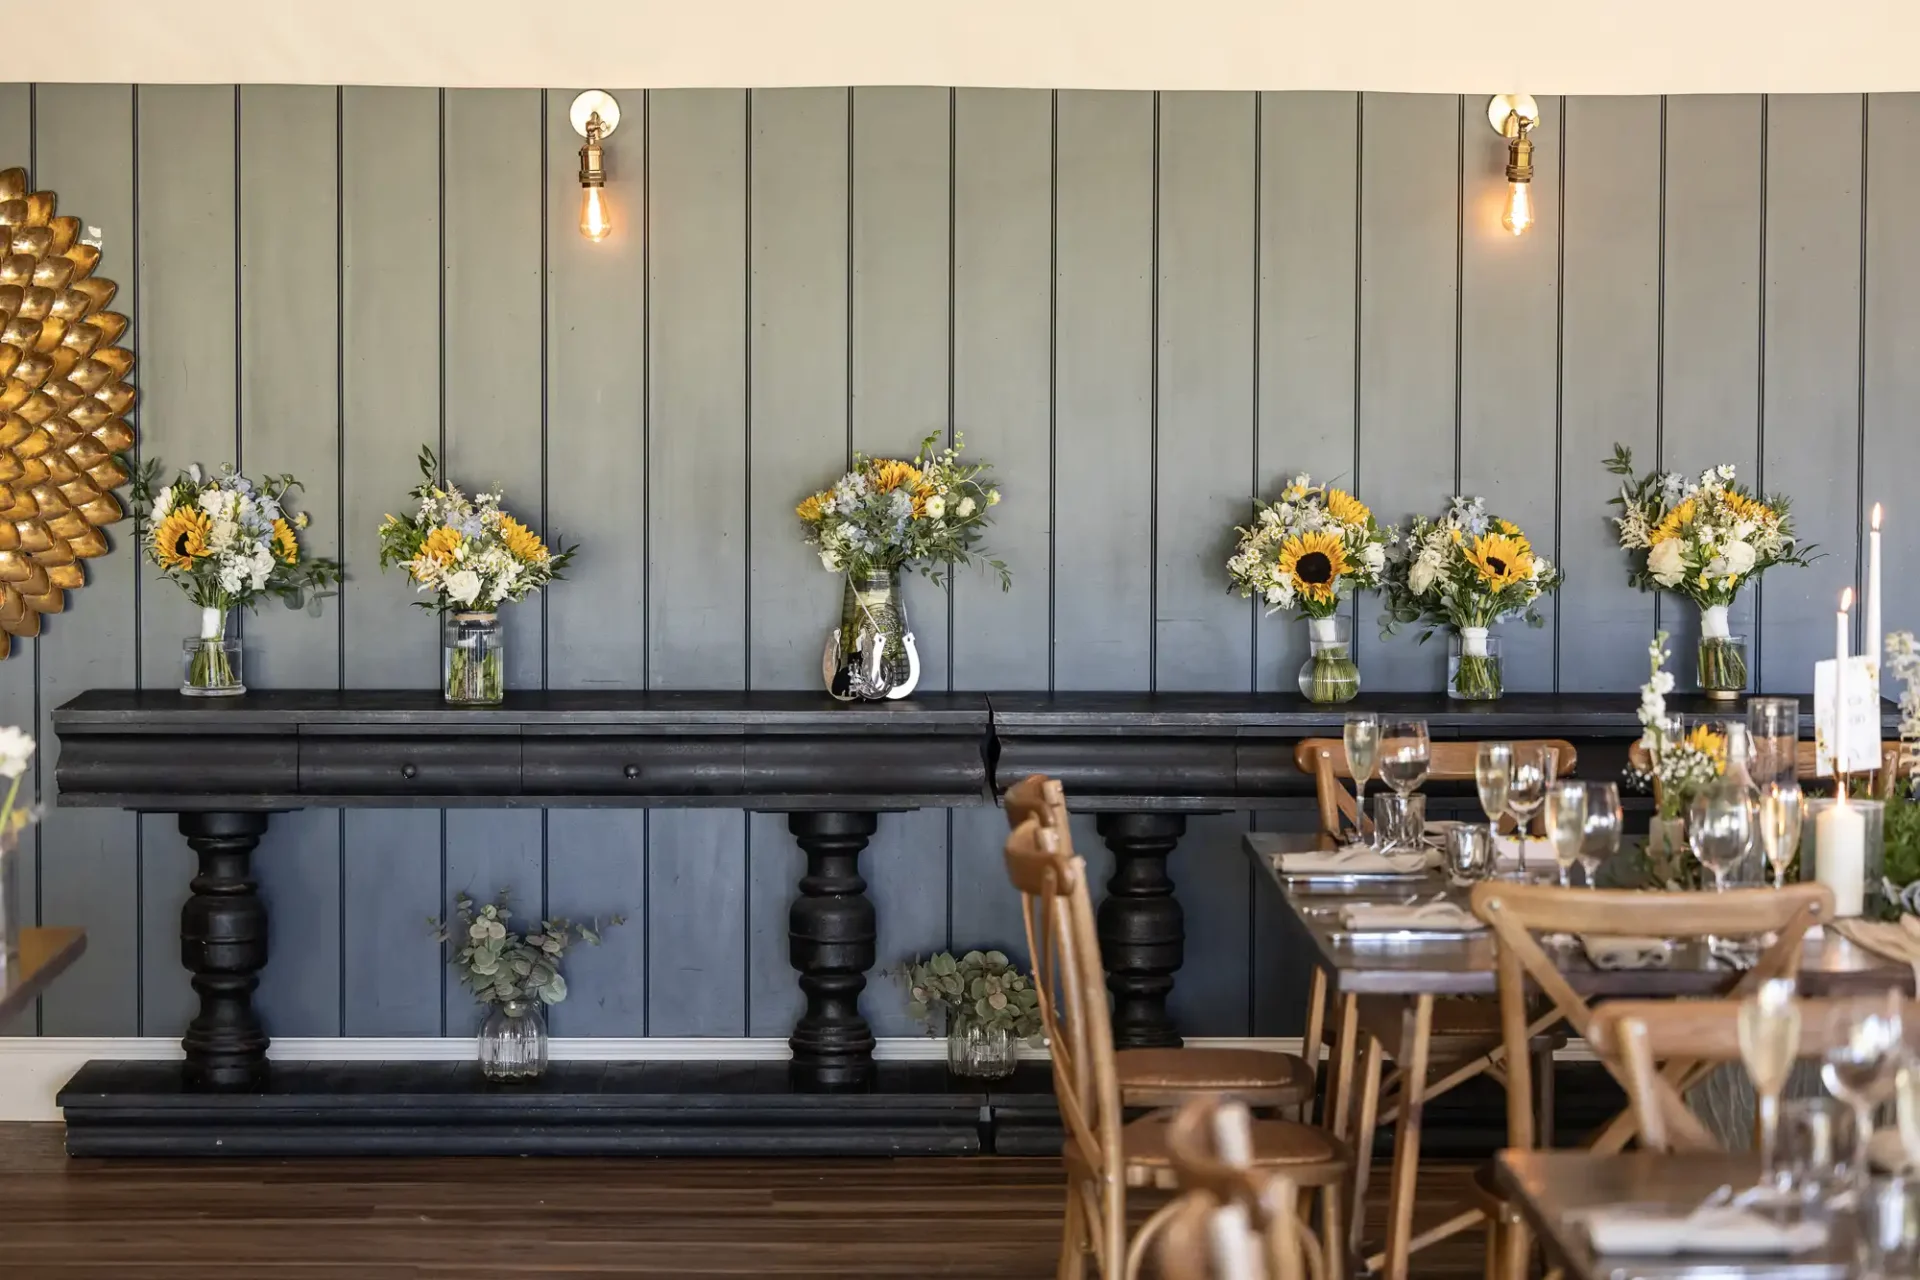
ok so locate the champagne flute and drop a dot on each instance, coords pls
(1860, 1069)
(1493, 774)
(1769, 1030)
(1778, 818)
(1404, 754)
(1567, 825)
(1362, 738)
(1604, 821)
(1720, 829)
(1531, 775)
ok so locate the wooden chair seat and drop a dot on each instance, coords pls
(1310, 1157)
(1170, 1077)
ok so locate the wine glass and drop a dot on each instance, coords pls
(1404, 754)
(1769, 1030)
(1860, 1068)
(1778, 816)
(1493, 774)
(1362, 738)
(1603, 828)
(1567, 825)
(1720, 829)
(1533, 772)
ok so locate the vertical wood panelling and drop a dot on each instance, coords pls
(492, 428)
(189, 361)
(390, 292)
(1305, 397)
(1204, 445)
(902, 337)
(697, 516)
(1103, 391)
(1811, 405)
(1892, 388)
(90, 872)
(289, 423)
(18, 685)
(1409, 272)
(1215, 879)
(1509, 316)
(798, 399)
(1710, 390)
(1609, 377)
(599, 870)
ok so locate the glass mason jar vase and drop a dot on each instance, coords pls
(1723, 656)
(474, 673)
(210, 662)
(1329, 673)
(513, 1041)
(14, 904)
(1473, 665)
(980, 1053)
(871, 654)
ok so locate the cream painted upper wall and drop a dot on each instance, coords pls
(1596, 46)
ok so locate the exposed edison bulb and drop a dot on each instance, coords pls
(595, 222)
(1519, 214)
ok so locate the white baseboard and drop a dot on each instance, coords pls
(32, 1070)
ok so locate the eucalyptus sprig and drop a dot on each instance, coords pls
(980, 989)
(499, 965)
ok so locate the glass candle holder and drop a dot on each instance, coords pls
(1846, 851)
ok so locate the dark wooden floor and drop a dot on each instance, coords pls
(486, 1219)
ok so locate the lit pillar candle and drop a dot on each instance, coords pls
(1840, 836)
(1873, 599)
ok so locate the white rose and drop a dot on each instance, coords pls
(163, 504)
(16, 748)
(1420, 577)
(1666, 563)
(1739, 558)
(965, 508)
(1275, 596)
(829, 562)
(1374, 556)
(462, 587)
(936, 506)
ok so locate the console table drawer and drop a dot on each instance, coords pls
(614, 765)
(403, 766)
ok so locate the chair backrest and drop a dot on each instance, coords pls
(1255, 1229)
(1325, 760)
(1633, 1037)
(1073, 1006)
(1036, 796)
(1806, 765)
(1516, 912)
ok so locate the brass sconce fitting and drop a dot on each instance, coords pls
(1513, 116)
(595, 116)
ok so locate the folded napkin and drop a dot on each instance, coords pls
(1353, 859)
(1539, 850)
(1719, 1228)
(1888, 939)
(1419, 918)
(1627, 953)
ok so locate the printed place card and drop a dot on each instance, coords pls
(1862, 716)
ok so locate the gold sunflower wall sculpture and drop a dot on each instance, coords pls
(63, 402)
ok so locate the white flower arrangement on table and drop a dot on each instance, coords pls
(1903, 664)
(887, 514)
(468, 552)
(1704, 539)
(1467, 570)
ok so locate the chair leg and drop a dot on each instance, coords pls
(1333, 1237)
(1406, 1139)
(1516, 1248)
(1316, 1035)
(1073, 1238)
(1496, 1248)
(1137, 1251)
(1364, 1130)
(1543, 1099)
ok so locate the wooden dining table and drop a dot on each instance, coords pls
(1393, 981)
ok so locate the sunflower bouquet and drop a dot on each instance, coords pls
(1307, 553)
(1703, 539)
(472, 557)
(228, 542)
(1466, 571)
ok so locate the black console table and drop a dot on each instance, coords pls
(1141, 762)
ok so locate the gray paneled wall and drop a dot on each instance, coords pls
(1141, 307)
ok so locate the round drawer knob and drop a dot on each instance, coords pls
(409, 771)
(632, 771)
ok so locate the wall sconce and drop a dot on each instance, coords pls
(1513, 116)
(595, 116)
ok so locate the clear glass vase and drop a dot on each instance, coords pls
(16, 910)
(513, 1041)
(1329, 674)
(980, 1053)
(871, 654)
(1473, 665)
(474, 673)
(210, 661)
(1723, 657)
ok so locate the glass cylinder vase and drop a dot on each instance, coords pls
(15, 908)
(1329, 674)
(871, 655)
(1722, 666)
(1846, 851)
(513, 1041)
(210, 661)
(979, 1052)
(474, 673)
(1473, 665)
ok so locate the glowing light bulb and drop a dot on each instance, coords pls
(595, 222)
(1519, 214)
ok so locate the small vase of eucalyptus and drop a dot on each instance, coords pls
(515, 976)
(987, 1004)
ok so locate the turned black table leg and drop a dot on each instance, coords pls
(1142, 931)
(223, 943)
(830, 940)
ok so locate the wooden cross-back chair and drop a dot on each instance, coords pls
(1103, 1155)
(1518, 912)
(1255, 1232)
(1171, 1077)
(1633, 1037)
(1325, 760)
(1806, 767)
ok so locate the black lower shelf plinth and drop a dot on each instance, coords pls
(577, 1108)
